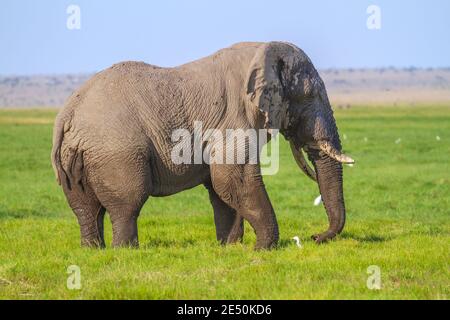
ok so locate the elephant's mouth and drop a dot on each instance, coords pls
(326, 147)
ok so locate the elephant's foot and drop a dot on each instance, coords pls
(125, 241)
(94, 242)
(132, 244)
(91, 227)
(125, 233)
(323, 237)
(266, 244)
(92, 232)
(235, 237)
(267, 240)
(236, 234)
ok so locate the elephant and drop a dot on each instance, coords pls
(112, 140)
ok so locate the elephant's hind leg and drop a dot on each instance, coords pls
(229, 225)
(90, 214)
(124, 224)
(125, 187)
(124, 213)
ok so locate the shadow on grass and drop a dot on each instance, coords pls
(164, 243)
(370, 238)
(28, 213)
(364, 238)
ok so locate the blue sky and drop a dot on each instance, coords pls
(34, 38)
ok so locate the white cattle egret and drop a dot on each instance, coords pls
(297, 241)
(318, 200)
(398, 140)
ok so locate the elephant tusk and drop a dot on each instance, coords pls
(332, 152)
(301, 162)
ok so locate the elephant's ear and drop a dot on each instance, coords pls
(265, 80)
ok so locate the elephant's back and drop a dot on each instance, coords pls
(131, 109)
(122, 96)
(105, 114)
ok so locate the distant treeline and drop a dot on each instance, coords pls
(53, 90)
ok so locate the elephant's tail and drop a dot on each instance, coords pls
(72, 176)
(58, 136)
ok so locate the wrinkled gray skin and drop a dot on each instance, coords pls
(112, 140)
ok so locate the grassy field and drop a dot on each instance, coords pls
(397, 197)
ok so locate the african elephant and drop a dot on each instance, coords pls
(112, 140)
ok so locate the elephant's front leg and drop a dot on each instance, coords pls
(229, 225)
(241, 188)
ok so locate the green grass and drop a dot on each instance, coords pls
(397, 198)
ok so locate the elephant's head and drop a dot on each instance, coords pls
(283, 83)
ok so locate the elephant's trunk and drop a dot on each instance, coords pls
(329, 178)
(317, 135)
(327, 157)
